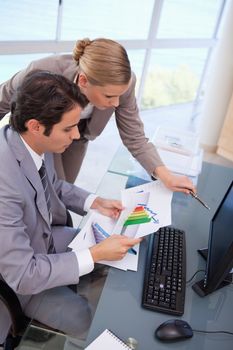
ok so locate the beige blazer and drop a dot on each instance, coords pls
(129, 124)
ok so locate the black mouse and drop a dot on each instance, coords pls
(173, 330)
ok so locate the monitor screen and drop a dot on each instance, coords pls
(220, 247)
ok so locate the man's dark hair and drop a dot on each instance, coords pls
(44, 96)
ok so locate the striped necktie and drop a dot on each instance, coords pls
(44, 180)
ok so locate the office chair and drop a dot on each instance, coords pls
(19, 321)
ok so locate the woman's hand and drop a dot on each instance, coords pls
(108, 207)
(177, 183)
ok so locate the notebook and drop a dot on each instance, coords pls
(108, 340)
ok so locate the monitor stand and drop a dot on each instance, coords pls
(203, 252)
(199, 288)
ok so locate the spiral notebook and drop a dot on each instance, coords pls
(108, 340)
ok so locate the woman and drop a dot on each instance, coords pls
(101, 69)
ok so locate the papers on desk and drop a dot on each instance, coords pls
(189, 165)
(147, 208)
(179, 150)
(176, 140)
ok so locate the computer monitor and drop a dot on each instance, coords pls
(220, 248)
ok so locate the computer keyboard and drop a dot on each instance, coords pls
(165, 272)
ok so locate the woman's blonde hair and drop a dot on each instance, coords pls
(104, 61)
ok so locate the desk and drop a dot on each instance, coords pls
(119, 305)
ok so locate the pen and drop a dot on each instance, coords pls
(132, 251)
(194, 195)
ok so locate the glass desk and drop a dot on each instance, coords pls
(118, 297)
(123, 163)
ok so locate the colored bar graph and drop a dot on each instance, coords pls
(100, 234)
(138, 216)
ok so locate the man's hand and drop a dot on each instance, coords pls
(177, 183)
(108, 207)
(113, 248)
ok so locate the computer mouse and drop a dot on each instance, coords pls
(173, 330)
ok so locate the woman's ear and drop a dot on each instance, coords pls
(82, 80)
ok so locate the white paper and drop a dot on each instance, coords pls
(182, 164)
(176, 140)
(85, 239)
(157, 205)
(107, 341)
(150, 202)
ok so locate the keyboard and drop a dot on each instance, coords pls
(165, 272)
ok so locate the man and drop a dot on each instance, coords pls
(34, 260)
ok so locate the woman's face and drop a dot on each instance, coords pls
(102, 97)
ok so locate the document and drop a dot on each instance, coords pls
(189, 165)
(176, 140)
(179, 150)
(146, 208)
(87, 237)
(107, 341)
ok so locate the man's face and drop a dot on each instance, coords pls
(62, 134)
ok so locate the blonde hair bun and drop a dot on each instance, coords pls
(80, 48)
(103, 61)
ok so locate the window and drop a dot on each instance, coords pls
(188, 18)
(10, 64)
(118, 20)
(28, 20)
(169, 42)
(173, 76)
(181, 45)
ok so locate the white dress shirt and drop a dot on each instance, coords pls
(86, 112)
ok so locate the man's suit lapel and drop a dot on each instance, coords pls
(29, 170)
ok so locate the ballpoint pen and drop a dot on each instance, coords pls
(194, 195)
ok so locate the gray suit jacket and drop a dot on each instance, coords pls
(127, 117)
(24, 224)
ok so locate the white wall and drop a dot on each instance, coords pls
(220, 84)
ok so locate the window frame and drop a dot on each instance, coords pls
(152, 42)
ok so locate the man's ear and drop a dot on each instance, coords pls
(33, 126)
(82, 80)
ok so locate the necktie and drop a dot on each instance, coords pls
(44, 180)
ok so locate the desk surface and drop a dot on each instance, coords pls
(119, 306)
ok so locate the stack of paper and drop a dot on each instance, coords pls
(182, 164)
(147, 208)
(179, 150)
